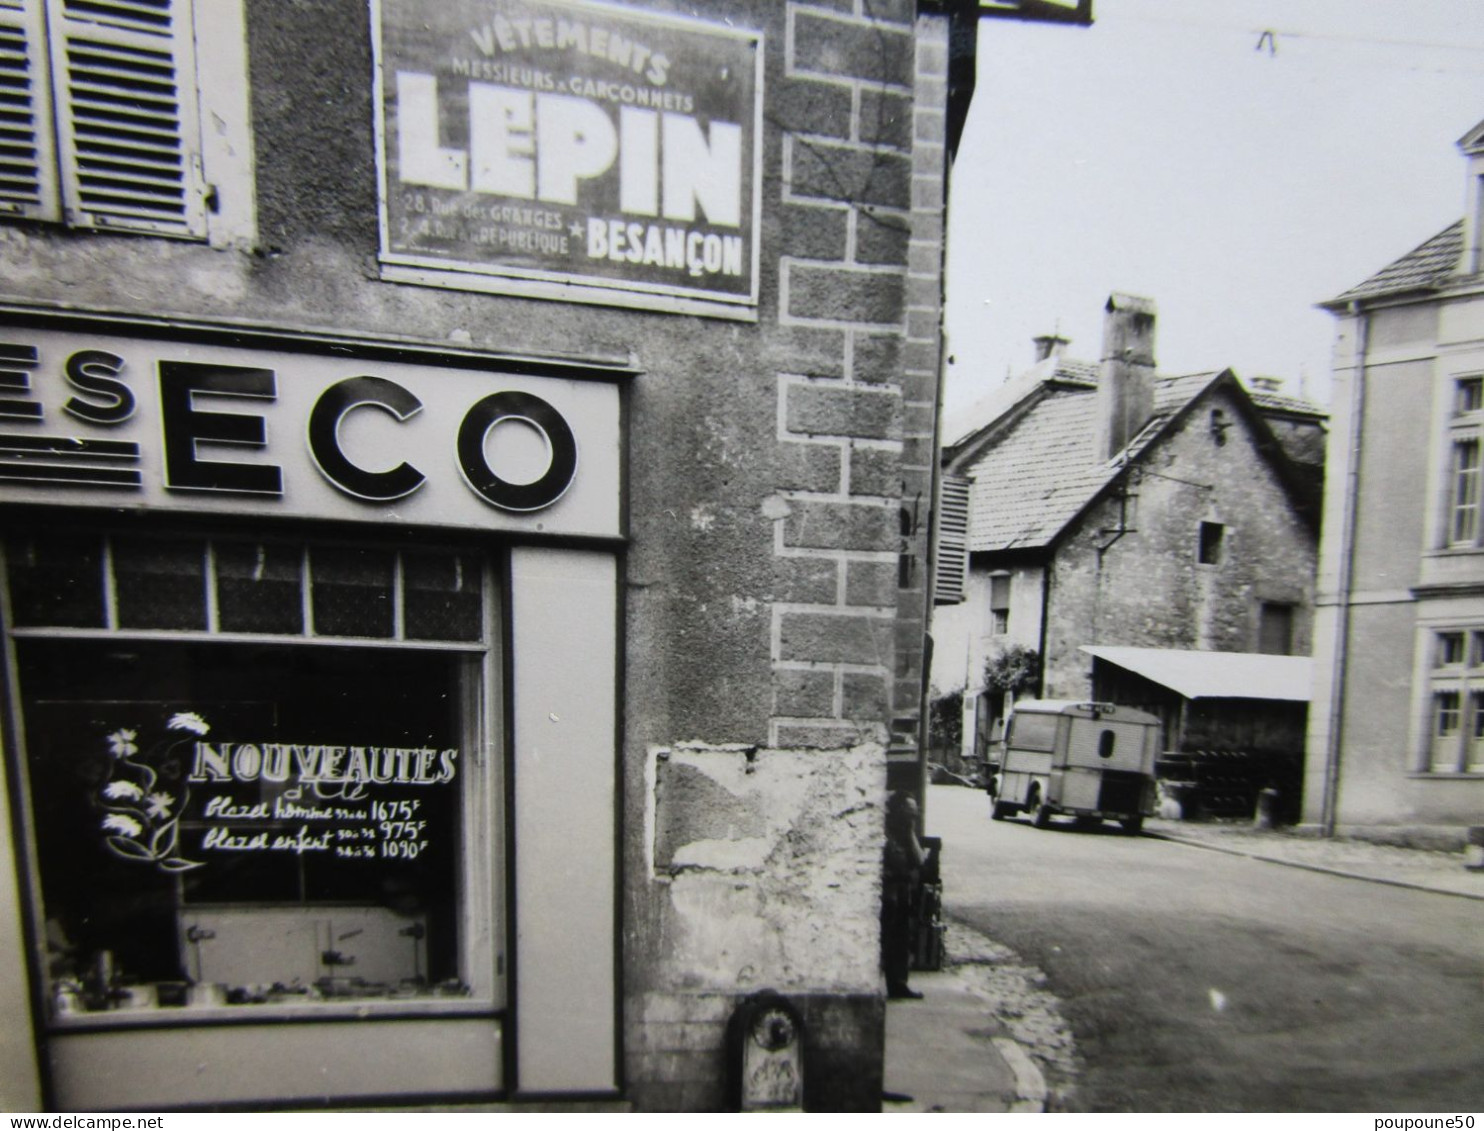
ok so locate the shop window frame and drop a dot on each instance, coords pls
(481, 855)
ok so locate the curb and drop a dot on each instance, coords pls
(1320, 868)
(1030, 1085)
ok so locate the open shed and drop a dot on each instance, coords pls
(1234, 722)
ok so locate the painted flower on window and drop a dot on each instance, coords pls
(142, 822)
(188, 720)
(122, 823)
(121, 743)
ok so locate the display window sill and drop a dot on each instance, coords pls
(257, 1013)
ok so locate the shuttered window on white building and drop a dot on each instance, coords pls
(100, 115)
(953, 540)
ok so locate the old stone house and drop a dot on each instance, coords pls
(1109, 505)
(1396, 737)
(465, 476)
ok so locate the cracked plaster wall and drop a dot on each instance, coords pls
(769, 865)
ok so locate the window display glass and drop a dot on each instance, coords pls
(221, 822)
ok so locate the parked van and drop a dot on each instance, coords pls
(1094, 761)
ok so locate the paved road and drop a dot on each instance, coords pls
(1198, 981)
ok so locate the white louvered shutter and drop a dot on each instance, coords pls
(124, 74)
(953, 540)
(28, 163)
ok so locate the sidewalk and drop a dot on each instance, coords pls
(947, 1052)
(1425, 869)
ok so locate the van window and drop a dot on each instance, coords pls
(1106, 741)
(1032, 732)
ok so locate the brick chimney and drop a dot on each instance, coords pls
(1050, 345)
(1125, 396)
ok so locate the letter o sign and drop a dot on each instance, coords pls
(497, 408)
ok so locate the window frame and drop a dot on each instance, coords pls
(1272, 616)
(1452, 701)
(480, 852)
(1462, 526)
(1000, 587)
(1210, 542)
(98, 184)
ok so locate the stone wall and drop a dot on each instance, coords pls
(762, 865)
(1148, 589)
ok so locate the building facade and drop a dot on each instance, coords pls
(1109, 505)
(466, 475)
(1396, 740)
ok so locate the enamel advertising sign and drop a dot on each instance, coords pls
(576, 151)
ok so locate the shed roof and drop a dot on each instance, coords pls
(1214, 675)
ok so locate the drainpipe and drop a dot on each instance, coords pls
(1348, 511)
(1045, 616)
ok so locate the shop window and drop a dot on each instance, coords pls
(242, 811)
(101, 111)
(159, 583)
(259, 588)
(1456, 702)
(352, 591)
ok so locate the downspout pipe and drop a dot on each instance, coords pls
(1348, 514)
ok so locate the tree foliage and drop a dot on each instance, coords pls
(1014, 668)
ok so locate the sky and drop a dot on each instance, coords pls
(1173, 151)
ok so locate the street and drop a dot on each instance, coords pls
(1198, 981)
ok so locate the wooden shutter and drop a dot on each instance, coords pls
(28, 164)
(953, 540)
(125, 82)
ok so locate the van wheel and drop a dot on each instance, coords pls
(1043, 811)
(1133, 826)
(1001, 810)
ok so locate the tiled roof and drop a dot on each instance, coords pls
(1422, 268)
(1041, 473)
(999, 400)
(1289, 406)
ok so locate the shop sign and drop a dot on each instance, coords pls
(572, 150)
(98, 420)
(187, 799)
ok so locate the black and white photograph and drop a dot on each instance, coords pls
(741, 556)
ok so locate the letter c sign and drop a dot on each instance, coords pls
(340, 399)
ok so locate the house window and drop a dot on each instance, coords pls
(1456, 702)
(999, 603)
(100, 116)
(1463, 506)
(258, 782)
(1468, 395)
(1275, 629)
(1208, 551)
(1463, 472)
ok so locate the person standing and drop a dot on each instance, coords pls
(901, 875)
